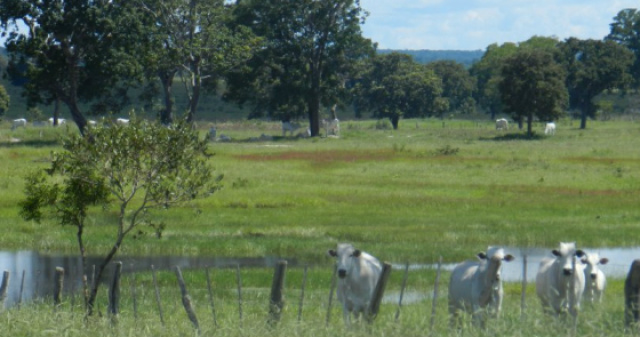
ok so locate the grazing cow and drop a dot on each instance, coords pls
(91, 122)
(289, 127)
(122, 121)
(60, 121)
(332, 127)
(556, 278)
(475, 286)
(595, 281)
(20, 122)
(550, 128)
(358, 274)
(632, 295)
(502, 124)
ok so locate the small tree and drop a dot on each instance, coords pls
(4, 100)
(130, 169)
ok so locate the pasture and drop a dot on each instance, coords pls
(432, 188)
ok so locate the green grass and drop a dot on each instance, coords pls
(429, 189)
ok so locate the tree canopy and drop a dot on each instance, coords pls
(625, 30)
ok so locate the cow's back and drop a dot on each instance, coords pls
(460, 286)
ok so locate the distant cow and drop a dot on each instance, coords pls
(332, 127)
(20, 122)
(557, 277)
(475, 286)
(595, 281)
(122, 121)
(502, 124)
(60, 121)
(550, 129)
(289, 127)
(358, 274)
(91, 122)
(632, 294)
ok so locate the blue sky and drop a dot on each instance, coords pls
(475, 24)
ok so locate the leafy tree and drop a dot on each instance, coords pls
(4, 100)
(74, 51)
(130, 170)
(625, 30)
(309, 54)
(488, 72)
(457, 84)
(593, 67)
(395, 86)
(533, 85)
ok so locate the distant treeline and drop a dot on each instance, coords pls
(466, 57)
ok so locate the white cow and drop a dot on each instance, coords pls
(91, 122)
(332, 127)
(20, 122)
(595, 280)
(556, 278)
(475, 286)
(122, 121)
(289, 127)
(550, 128)
(60, 121)
(502, 124)
(358, 274)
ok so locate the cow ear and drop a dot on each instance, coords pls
(509, 258)
(604, 260)
(555, 252)
(356, 253)
(583, 260)
(579, 253)
(332, 252)
(482, 256)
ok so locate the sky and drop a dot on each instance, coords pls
(475, 24)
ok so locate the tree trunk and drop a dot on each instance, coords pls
(394, 122)
(77, 116)
(314, 103)
(583, 119)
(529, 125)
(166, 78)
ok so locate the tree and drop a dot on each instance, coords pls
(395, 86)
(4, 100)
(625, 30)
(74, 51)
(593, 66)
(533, 85)
(309, 53)
(130, 170)
(487, 72)
(457, 84)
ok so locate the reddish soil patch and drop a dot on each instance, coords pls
(321, 156)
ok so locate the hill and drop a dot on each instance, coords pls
(466, 57)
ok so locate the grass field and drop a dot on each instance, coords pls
(432, 188)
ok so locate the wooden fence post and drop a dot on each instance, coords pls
(4, 287)
(213, 308)
(114, 293)
(378, 293)
(276, 301)
(21, 288)
(57, 287)
(134, 297)
(239, 281)
(333, 287)
(155, 285)
(524, 288)
(435, 297)
(186, 300)
(304, 282)
(404, 284)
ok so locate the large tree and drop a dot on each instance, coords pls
(74, 51)
(487, 72)
(625, 30)
(533, 85)
(457, 84)
(129, 170)
(310, 50)
(593, 67)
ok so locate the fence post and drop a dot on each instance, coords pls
(4, 287)
(134, 297)
(304, 282)
(57, 287)
(524, 288)
(239, 281)
(276, 301)
(404, 284)
(213, 308)
(333, 287)
(155, 285)
(374, 306)
(21, 288)
(186, 300)
(435, 297)
(114, 293)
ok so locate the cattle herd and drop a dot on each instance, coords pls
(475, 287)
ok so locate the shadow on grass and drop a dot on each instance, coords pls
(514, 136)
(30, 143)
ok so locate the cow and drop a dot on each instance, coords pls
(60, 121)
(632, 295)
(557, 277)
(358, 274)
(550, 128)
(595, 281)
(20, 122)
(332, 127)
(122, 121)
(289, 127)
(91, 122)
(475, 287)
(502, 124)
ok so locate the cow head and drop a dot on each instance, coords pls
(347, 256)
(564, 256)
(591, 262)
(493, 259)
